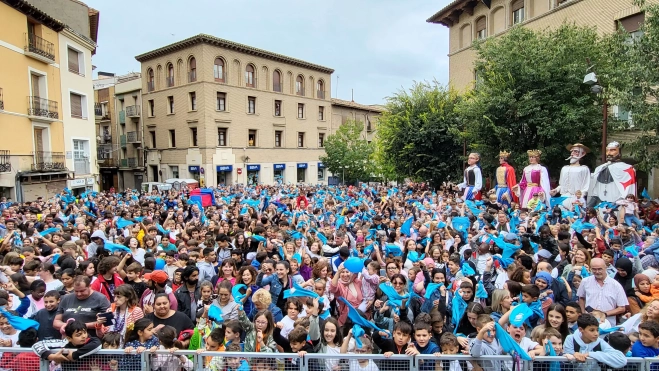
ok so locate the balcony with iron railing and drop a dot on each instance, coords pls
(5, 161)
(2, 101)
(132, 162)
(39, 48)
(105, 139)
(99, 114)
(133, 137)
(192, 76)
(48, 161)
(122, 117)
(38, 107)
(320, 94)
(150, 86)
(133, 111)
(170, 81)
(81, 166)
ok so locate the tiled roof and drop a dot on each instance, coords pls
(351, 104)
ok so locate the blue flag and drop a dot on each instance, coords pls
(357, 319)
(392, 248)
(48, 231)
(114, 247)
(480, 290)
(432, 287)
(237, 296)
(467, 270)
(406, 228)
(19, 323)
(508, 344)
(458, 308)
(461, 224)
(258, 238)
(645, 194)
(123, 223)
(554, 201)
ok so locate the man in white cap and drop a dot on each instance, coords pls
(612, 180)
(574, 177)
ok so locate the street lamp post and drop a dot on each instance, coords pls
(597, 88)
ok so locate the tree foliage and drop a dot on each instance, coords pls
(417, 135)
(632, 85)
(348, 153)
(530, 94)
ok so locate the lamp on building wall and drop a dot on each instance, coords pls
(597, 88)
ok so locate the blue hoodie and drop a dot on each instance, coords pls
(607, 355)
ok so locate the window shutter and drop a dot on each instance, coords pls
(76, 105)
(632, 23)
(73, 61)
(480, 25)
(517, 5)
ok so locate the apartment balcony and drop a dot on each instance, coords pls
(81, 166)
(39, 49)
(133, 111)
(192, 76)
(320, 94)
(105, 139)
(122, 117)
(42, 109)
(132, 162)
(170, 81)
(99, 114)
(150, 86)
(2, 101)
(134, 137)
(122, 141)
(5, 163)
(48, 161)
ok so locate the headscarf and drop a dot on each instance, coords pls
(640, 278)
(545, 276)
(626, 282)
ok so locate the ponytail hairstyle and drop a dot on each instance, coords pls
(138, 326)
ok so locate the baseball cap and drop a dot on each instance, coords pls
(544, 254)
(159, 277)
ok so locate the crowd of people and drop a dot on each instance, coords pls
(334, 270)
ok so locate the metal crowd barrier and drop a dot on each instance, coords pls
(24, 359)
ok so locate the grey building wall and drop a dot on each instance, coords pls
(71, 12)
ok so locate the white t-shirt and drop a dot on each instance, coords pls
(527, 345)
(355, 366)
(54, 285)
(288, 326)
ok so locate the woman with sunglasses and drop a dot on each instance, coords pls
(346, 285)
(384, 315)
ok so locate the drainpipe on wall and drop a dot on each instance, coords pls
(19, 188)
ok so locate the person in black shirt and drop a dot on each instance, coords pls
(46, 316)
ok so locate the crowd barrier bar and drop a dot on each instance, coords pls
(104, 360)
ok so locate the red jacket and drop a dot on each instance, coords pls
(101, 285)
(25, 361)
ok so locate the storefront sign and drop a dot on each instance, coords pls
(224, 168)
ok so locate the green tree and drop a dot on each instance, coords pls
(632, 86)
(530, 94)
(417, 135)
(348, 153)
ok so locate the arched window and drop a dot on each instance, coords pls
(517, 9)
(192, 74)
(218, 70)
(276, 81)
(170, 75)
(481, 29)
(299, 85)
(250, 79)
(150, 84)
(320, 86)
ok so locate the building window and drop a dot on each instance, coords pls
(321, 140)
(321, 113)
(76, 62)
(251, 138)
(320, 86)
(174, 170)
(481, 32)
(221, 137)
(193, 101)
(170, 75)
(170, 104)
(78, 106)
(152, 108)
(300, 110)
(276, 81)
(251, 105)
(299, 85)
(321, 174)
(153, 139)
(250, 80)
(517, 8)
(218, 70)
(192, 74)
(172, 138)
(278, 136)
(221, 101)
(150, 84)
(278, 108)
(193, 137)
(300, 140)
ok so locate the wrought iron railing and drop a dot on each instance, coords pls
(38, 106)
(132, 162)
(98, 110)
(133, 137)
(46, 160)
(37, 45)
(133, 111)
(321, 94)
(5, 161)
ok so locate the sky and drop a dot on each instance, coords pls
(376, 47)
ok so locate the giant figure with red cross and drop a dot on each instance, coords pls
(612, 180)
